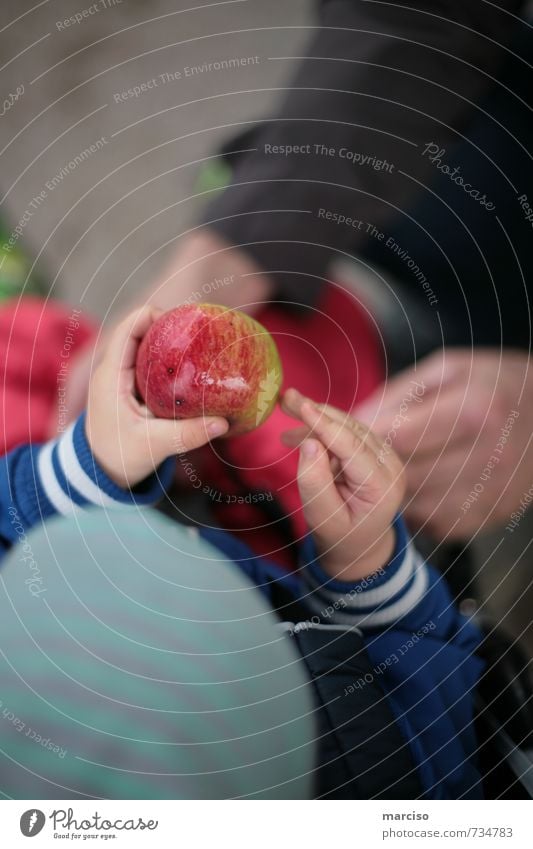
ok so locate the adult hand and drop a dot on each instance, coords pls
(461, 421)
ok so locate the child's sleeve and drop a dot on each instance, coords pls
(62, 477)
(406, 592)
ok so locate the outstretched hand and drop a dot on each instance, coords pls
(465, 437)
(351, 487)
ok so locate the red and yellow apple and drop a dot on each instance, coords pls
(207, 360)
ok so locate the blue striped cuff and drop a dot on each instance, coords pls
(70, 478)
(377, 600)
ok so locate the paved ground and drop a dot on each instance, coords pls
(103, 223)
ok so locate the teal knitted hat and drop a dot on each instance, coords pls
(137, 662)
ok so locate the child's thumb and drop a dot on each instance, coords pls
(168, 437)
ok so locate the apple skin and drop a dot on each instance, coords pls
(208, 360)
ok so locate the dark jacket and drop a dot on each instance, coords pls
(402, 139)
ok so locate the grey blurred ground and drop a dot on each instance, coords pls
(107, 226)
(103, 227)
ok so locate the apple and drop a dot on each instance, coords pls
(208, 360)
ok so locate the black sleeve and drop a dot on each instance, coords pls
(379, 83)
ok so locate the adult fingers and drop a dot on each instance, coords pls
(436, 515)
(441, 470)
(425, 426)
(430, 375)
(387, 399)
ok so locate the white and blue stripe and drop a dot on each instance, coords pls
(63, 477)
(376, 601)
(70, 478)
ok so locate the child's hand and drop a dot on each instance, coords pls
(351, 488)
(126, 439)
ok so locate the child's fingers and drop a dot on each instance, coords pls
(295, 437)
(371, 439)
(352, 445)
(122, 347)
(360, 451)
(343, 440)
(334, 413)
(293, 403)
(169, 437)
(324, 508)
